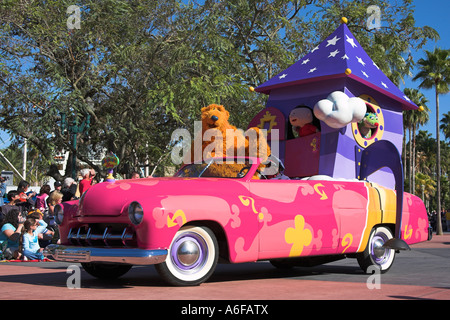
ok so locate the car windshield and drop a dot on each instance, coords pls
(215, 169)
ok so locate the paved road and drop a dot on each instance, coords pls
(421, 273)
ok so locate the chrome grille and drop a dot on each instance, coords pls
(103, 235)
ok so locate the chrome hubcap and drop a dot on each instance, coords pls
(378, 249)
(380, 255)
(188, 253)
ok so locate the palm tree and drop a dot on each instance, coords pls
(407, 122)
(15, 156)
(416, 118)
(445, 125)
(425, 186)
(435, 73)
(422, 163)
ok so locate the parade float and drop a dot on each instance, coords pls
(336, 121)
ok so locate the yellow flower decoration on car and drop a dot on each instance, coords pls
(298, 236)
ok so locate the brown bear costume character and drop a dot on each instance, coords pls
(221, 139)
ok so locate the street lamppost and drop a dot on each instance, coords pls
(73, 131)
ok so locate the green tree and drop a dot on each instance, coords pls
(426, 167)
(435, 73)
(425, 155)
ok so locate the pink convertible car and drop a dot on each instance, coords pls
(186, 224)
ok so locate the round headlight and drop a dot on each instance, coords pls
(59, 213)
(135, 212)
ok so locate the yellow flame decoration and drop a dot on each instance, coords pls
(171, 222)
(347, 241)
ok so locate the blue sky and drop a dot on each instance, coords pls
(433, 13)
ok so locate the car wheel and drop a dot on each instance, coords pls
(374, 254)
(192, 257)
(106, 271)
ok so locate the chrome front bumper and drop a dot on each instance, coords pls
(132, 256)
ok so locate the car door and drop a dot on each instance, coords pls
(295, 218)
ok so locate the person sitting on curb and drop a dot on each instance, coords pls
(29, 244)
(10, 234)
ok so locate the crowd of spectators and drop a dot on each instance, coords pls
(27, 219)
(445, 220)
